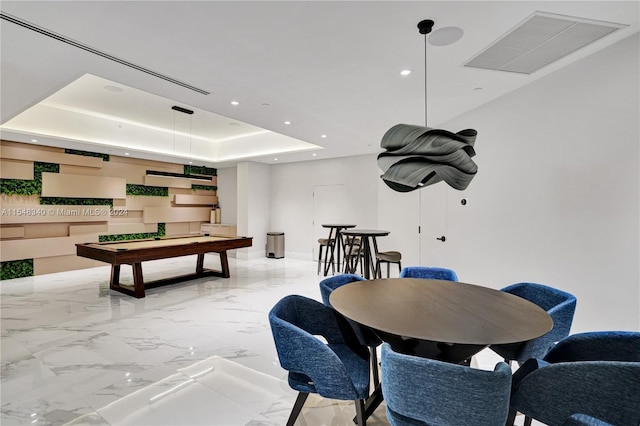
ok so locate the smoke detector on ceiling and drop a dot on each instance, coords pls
(540, 40)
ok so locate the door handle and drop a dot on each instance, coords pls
(443, 238)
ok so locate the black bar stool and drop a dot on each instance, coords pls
(326, 245)
(388, 257)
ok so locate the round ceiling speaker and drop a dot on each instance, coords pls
(445, 36)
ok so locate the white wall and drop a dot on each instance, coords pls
(556, 199)
(292, 197)
(253, 199)
(228, 195)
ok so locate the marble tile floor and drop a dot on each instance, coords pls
(75, 353)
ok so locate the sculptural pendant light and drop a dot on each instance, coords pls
(417, 156)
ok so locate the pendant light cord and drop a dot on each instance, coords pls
(425, 82)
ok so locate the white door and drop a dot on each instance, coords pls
(330, 205)
(433, 225)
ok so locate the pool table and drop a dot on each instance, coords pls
(137, 251)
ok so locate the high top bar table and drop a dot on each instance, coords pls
(335, 233)
(368, 238)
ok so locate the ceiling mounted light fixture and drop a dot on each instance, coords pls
(181, 109)
(418, 156)
(189, 113)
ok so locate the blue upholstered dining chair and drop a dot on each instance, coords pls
(423, 391)
(365, 335)
(337, 369)
(559, 304)
(594, 376)
(429, 272)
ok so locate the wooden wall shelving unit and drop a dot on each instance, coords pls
(47, 233)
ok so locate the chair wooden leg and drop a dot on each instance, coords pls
(399, 267)
(511, 418)
(297, 407)
(319, 258)
(329, 259)
(332, 260)
(360, 418)
(346, 264)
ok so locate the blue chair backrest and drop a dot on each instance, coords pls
(295, 321)
(597, 346)
(327, 285)
(429, 272)
(560, 305)
(551, 393)
(439, 393)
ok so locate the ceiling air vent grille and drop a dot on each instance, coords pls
(540, 40)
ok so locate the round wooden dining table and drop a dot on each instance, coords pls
(445, 320)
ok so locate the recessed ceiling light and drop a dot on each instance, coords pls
(114, 89)
(34, 140)
(477, 89)
(235, 103)
(287, 122)
(190, 162)
(275, 159)
(405, 72)
(314, 154)
(323, 136)
(126, 153)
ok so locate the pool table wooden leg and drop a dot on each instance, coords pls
(224, 263)
(200, 264)
(138, 283)
(114, 283)
(224, 266)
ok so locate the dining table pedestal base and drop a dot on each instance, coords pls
(447, 352)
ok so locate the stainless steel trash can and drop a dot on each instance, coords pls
(275, 245)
